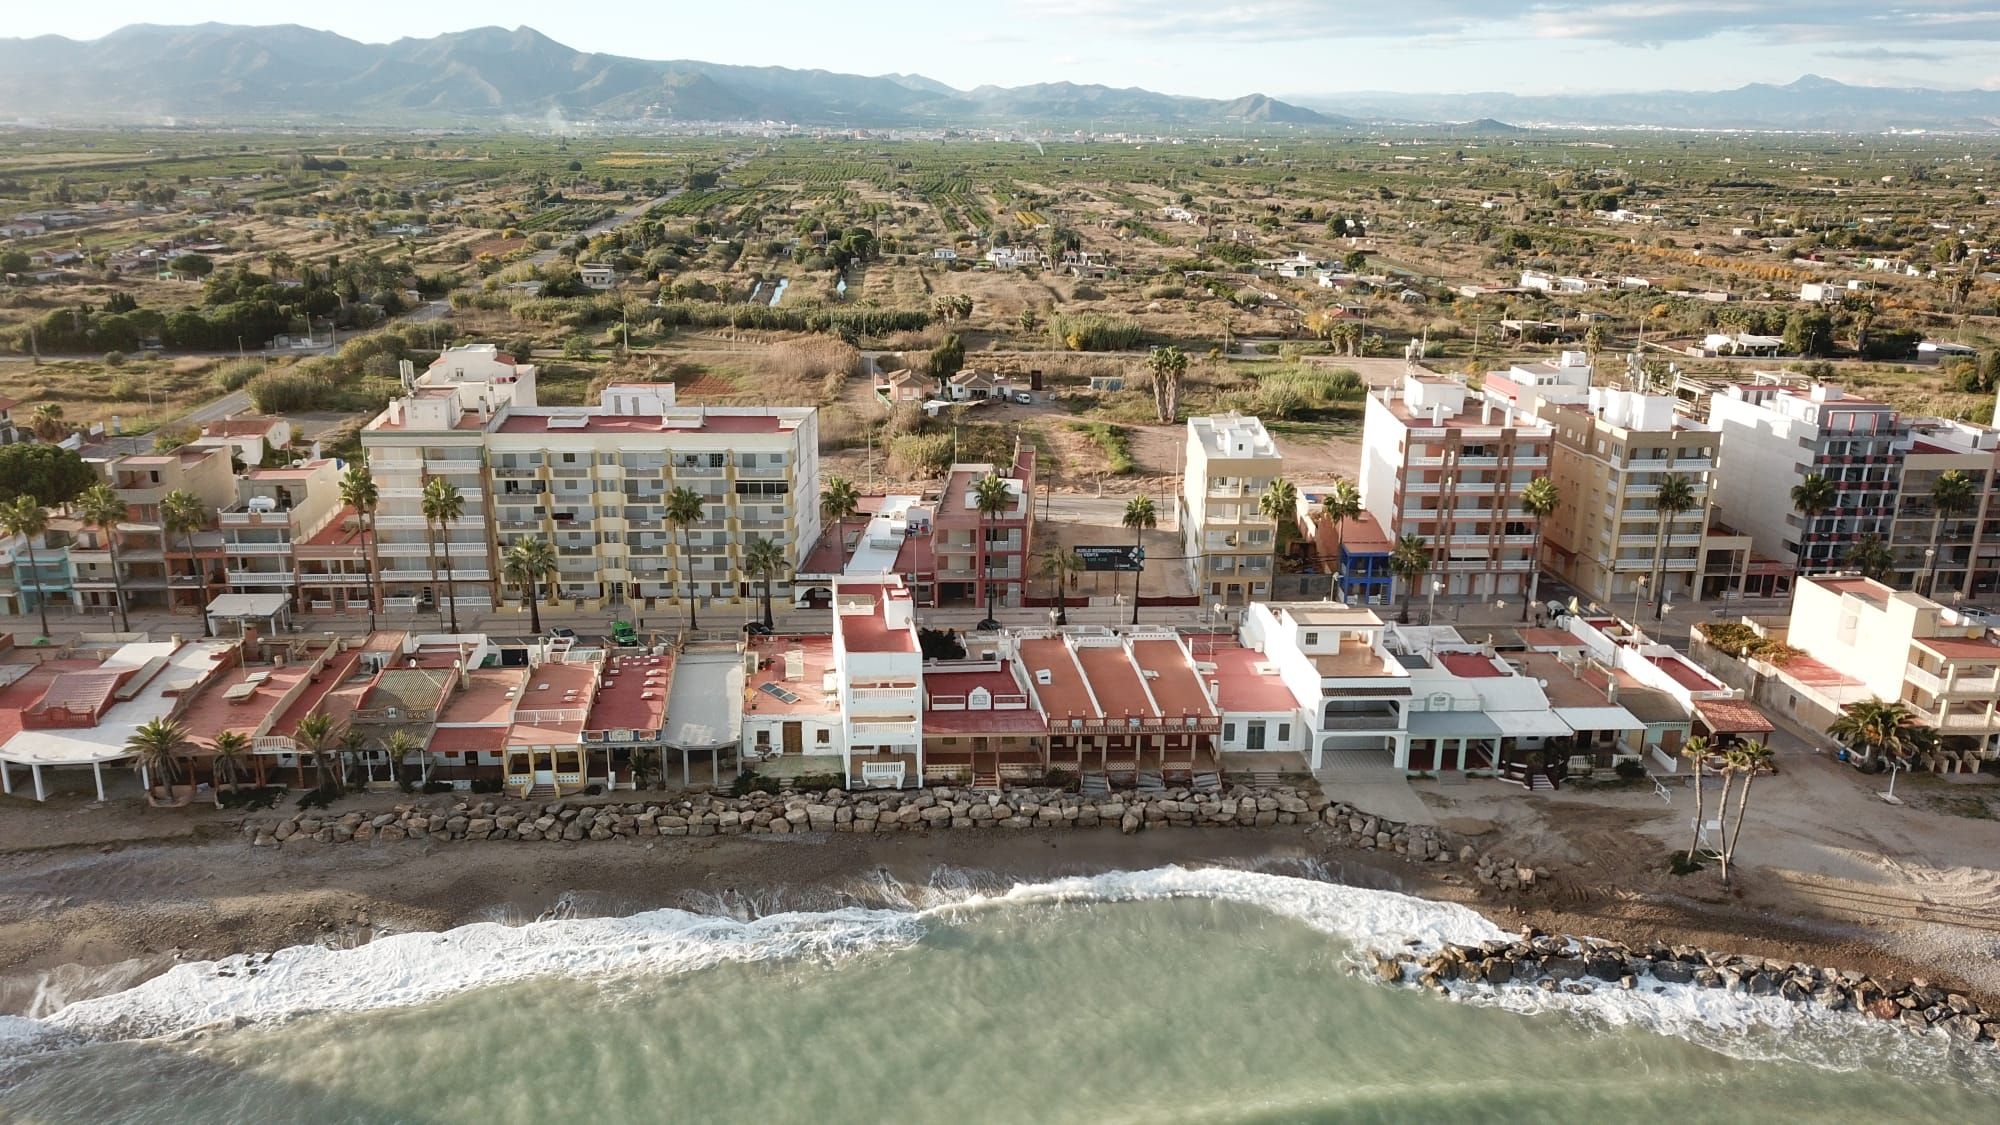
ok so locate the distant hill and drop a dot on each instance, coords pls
(225, 72)
(1810, 103)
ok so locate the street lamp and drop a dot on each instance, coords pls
(1638, 592)
(1431, 605)
(1929, 575)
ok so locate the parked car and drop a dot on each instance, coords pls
(561, 633)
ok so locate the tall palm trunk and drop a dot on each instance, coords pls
(769, 622)
(1930, 556)
(1409, 587)
(1722, 808)
(374, 570)
(430, 549)
(1138, 543)
(450, 590)
(1694, 838)
(1736, 829)
(1534, 573)
(42, 595)
(201, 588)
(531, 593)
(687, 573)
(1659, 562)
(117, 580)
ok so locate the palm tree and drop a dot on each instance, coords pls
(1280, 505)
(1139, 518)
(442, 505)
(317, 734)
(1058, 567)
(358, 491)
(992, 497)
(764, 560)
(527, 564)
(1951, 497)
(401, 745)
(182, 513)
(685, 509)
(838, 503)
(1540, 500)
(101, 508)
(227, 765)
(1168, 368)
(23, 517)
(1871, 556)
(1812, 498)
(154, 747)
(1746, 758)
(1880, 727)
(1695, 750)
(1409, 561)
(1342, 503)
(46, 422)
(1676, 495)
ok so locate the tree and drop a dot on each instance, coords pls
(1881, 729)
(1812, 498)
(1030, 320)
(101, 508)
(54, 476)
(1280, 505)
(22, 516)
(1952, 496)
(1676, 495)
(839, 502)
(764, 559)
(1746, 758)
(155, 746)
(1168, 368)
(684, 510)
(1809, 333)
(358, 491)
(1540, 500)
(196, 266)
(182, 513)
(948, 357)
(1058, 567)
(1593, 340)
(1139, 519)
(1409, 560)
(443, 506)
(317, 734)
(1871, 556)
(46, 422)
(991, 497)
(232, 750)
(1696, 750)
(528, 563)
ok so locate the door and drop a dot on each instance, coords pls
(1254, 736)
(794, 738)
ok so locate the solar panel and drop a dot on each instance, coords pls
(782, 695)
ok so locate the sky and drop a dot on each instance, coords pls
(1203, 47)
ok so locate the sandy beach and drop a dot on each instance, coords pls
(93, 900)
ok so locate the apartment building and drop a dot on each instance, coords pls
(1864, 640)
(1611, 455)
(973, 552)
(878, 673)
(1955, 557)
(1773, 434)
(1353, 693)
(593, 482)
(276, 511)
(1527, 387)
(155, 568)
(1451, 473)
(25, 587)
(1228, 542)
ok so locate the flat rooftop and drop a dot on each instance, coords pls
(808, 690)
(1240, 686)
(705, 706)
(703, 423)
(632, 694)
(243, 699)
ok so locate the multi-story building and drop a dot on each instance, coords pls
(593, 482)
(1865, 640)
(1773, 435)
(1229, 543)
(26, 587)
(276, 511)
(1611, 455)
(973, 552)
(1355, 695)
(1437, 467)
(1959, 556)
(155, 568)
(878, 670)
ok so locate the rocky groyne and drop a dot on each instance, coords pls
(1580, 966)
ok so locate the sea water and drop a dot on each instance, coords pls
(1212, 995)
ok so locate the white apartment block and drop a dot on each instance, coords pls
(1228, 542)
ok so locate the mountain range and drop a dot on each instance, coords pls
(224, 72)
(492, 76)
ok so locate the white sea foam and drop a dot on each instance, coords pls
(411, 969)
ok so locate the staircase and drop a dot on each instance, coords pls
(1264, 779)
(1094, 784)
(986, 778)
(1208, 781)
(1151, 781)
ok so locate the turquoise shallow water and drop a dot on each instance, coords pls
(1220, 996)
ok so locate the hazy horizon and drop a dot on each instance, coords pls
(1295, 49)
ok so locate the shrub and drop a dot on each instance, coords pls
(289, 391)
(1094, 333)
(1630, 769)
(920, 455)
(486, 785)
(1112, 441)
(319, 798)
(438, 786)
(233, 375)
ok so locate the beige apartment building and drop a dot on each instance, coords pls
(1228, 542)
(593, 482)
(1450, 472)
(155, 568)
(277, 510)
(1611, 454)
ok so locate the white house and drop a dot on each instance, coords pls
(1014, 257)
(597, 275)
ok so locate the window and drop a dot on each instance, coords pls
(1312, 639)
(763, 737)
(1229, 732)
(1284, 732)
(823, 736)
(1255, 731)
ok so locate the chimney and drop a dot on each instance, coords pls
(1437, 414)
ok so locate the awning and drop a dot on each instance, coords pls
(1582, 719)
(1453, 724)
(1732, 716)
(1529, 724)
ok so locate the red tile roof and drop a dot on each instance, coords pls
(1732, 716)
(1064, 697)
(1471, 665)
(1239, 686)
(1171, 678)
(1692, 678)
(1117, 684)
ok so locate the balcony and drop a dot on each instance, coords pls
(699, 472)
(882, 732)
(517, 472)
(453, 465)
(1361, 721)
(763, 472)
(1963, 687)
(256, 548)
(261, 577)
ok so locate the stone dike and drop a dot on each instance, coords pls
(874, 811)
(1554, 963)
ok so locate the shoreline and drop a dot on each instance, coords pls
(79, 920)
